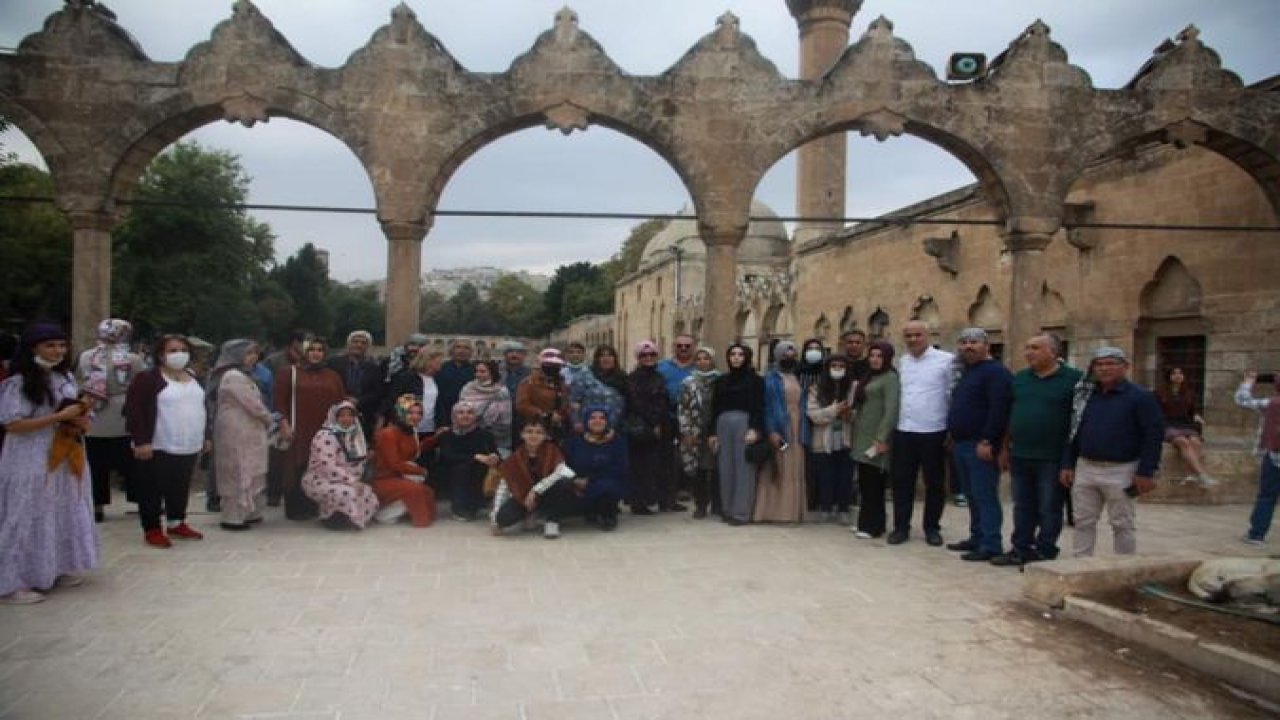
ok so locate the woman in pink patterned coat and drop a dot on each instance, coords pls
(335, 472)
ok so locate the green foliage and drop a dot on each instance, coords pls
(578, 289)
(517, 307)
(627, 259)
(356, 307)
(191, 266)
(305, 279)
(35, 250)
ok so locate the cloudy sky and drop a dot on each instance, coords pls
(601, 170)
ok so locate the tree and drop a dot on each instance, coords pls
(189, 263)
(356, 307)
(627, 259)
(35, 250)
(516, 307)
(305, 278)
(577, 289)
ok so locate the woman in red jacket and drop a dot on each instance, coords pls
(398, 481)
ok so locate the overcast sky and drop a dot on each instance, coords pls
(601, 170)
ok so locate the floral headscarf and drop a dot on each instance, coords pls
(110, 363)
(401, 409)
(350, 438)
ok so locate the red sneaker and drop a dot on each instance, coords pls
(157, 538)
(185, 532)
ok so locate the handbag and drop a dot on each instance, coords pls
(275, 438)
(758, 451)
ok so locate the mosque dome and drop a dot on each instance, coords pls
(766, 238)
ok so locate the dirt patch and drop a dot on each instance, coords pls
(1251, 636)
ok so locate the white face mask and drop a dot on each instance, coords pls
(837, 374)
(813, 357)
(47, 364)
(177, 360)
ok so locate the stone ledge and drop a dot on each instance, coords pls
(1252, 673)
(1049, 583)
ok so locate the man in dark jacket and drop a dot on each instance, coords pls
(362, 378)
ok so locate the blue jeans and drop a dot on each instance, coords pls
(1264, 508)
(1038, 501)
(834, 472)
(982, 481)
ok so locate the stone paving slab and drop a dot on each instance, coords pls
(666, 618)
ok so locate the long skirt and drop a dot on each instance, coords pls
(737, 476)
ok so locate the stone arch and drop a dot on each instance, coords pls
(985, 312)
(878, 324)
(1173, 292)
(41, 136)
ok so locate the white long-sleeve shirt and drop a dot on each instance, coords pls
(1245, 399)
(926, 389)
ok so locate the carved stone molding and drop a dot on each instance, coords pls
(946, 251)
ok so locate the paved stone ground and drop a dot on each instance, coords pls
(666, 618)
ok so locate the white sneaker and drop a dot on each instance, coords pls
(551, 530)
(862, 535)
(21, 597)
(1255, 542)
(1191, 480)
(1207, 481)
(391, 513)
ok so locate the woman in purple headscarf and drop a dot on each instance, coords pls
(47, 535)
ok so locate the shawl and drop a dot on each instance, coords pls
(351, 440)
(491, 400)
(68, 442)
(515, 469)
(111, 360)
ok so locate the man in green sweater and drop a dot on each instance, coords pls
(1038, 430)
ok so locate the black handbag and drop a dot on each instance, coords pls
(758, 451)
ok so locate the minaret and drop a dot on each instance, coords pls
(820, 168)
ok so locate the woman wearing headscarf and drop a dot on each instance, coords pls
(399, 481)
(650, 431)
(335, 472)
(737, 404)
(780, 491)
(598, 458)
(875, 402)
(492, 402)
(531, 483)
(830, 434)
(604, 386)
(240, 424)
(465, 454)
(47, 534)
(105, 372)
(808, 371)
(543, 394)
(303, 395)
(695, 418)
(166, 417)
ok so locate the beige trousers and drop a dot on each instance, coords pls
(1099, 485)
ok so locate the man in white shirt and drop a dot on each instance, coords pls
(919, 440)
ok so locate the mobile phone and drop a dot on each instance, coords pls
(1269, 378)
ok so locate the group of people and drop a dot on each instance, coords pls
(349, 440)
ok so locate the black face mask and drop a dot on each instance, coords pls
(788, 363)
(551, 370)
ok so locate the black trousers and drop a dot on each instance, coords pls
(913, 453)
(871, 515)
(163, 479)
(107, 455)
(560, 501)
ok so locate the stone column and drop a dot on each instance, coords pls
(1027, 249)
(720, 296)
(90, 273)
(820, 164)
(404, 277)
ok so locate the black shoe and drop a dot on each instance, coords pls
(608, 523)
(337, 521)
(673, 507)
(641, 510)
(962, 546)
(98, 516)
(233, 526)
(897, 537)
(977, 556)
(1013, 558)
(254, 520)
(699, 513)
(933, 537)
(735, 522)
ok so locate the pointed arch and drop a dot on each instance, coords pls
(1173, 292)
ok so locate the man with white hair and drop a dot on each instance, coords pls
(361, 376)
(1113, 451)
(920, 438)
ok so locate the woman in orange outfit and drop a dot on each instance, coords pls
(398, 481)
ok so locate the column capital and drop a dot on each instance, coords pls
(101, 220)
(1029, 233)
(811, 10)
(719, 236)
(405, 230)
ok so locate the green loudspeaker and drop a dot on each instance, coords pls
(966, 66)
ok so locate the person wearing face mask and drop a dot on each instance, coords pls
(165, 415)
(827, 405)
(780, 490)
(808, 372)
(47, 534)
(543, 394)
(303, 395)
(105, 371)
(335, 471)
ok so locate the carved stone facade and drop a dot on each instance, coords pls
(98, 109)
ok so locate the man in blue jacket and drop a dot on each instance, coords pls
(977, 420)
(1113, 452)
